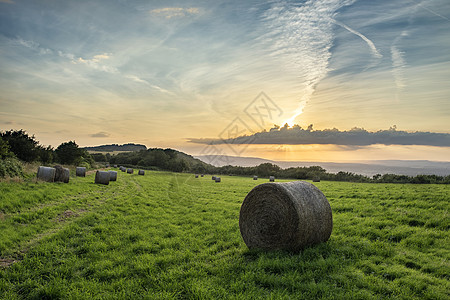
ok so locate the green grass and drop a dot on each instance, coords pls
(171, 236)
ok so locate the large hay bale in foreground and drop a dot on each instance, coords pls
(46, 174)
(112, 175)
(141, 172)
(102, 177)
(80, 172)
(285, 216)
(61, 174)
(130, 171)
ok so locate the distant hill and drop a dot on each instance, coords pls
(116, 147)
(366, 168)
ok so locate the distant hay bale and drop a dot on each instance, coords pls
(115, 166)
(141, 172)
(112, 175)
(123, 169)
(46, 174)
(107, 165)
(255, 177)
(213, 177)
(80, 172)
(316, 179)
(196, 175)
(61, 174)
(272, 178)
(102, 177)
(217, 179)
(285, 216)
(202, 175)
(130, 171)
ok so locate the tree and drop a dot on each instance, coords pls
(25, 147)
(46, 154)
(69, 153)
(4, 150)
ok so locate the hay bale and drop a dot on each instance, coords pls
(61, 174)
(316, 179)
(46, 174)
(115, 166)
(130, 171)
(141, 172)
(80, 172)
(102, 177)
(202, 175)
(272, 178)
(123, 169)
(285, 216)
(112, 175)
(217, 179)
(255, 177)
(213, 177)
(196, 176)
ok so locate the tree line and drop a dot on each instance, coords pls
(18, 145)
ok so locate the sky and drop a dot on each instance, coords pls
(166, 73)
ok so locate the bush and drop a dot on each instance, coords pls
(10, 167)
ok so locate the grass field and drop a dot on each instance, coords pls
(171, 236)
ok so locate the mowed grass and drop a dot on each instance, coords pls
(171, 236)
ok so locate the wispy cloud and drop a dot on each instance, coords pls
(175, 12)
(7, 1)
(100, 134)
(371, 45)
(302, 35)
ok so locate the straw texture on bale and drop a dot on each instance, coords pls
(272, 178)
(141, 172)
(217, 179)
(112, 175)
(255, 177)
(285, 216)
(46, 174)
(61, 174)
(130, 171)
(80, 172)
(213, 178)
(102, 177)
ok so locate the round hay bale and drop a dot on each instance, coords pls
(61, 174)
(102, 177)
(316, 179)
(112, 175)
(213, 177)
(123, 169)
(285, 216)
(46, 174)
(255, 177)
(272, 178)
(80, 172)
(130, 171)
(202, 175)
(115, 166)
(217, 179)
(196, 176)
(141, 172)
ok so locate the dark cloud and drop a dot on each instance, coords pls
(100, 134)
(353, 137)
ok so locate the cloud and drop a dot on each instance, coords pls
(354, 137)
(371, 45)
(173, 12)
(100, 134)
(7, 1)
